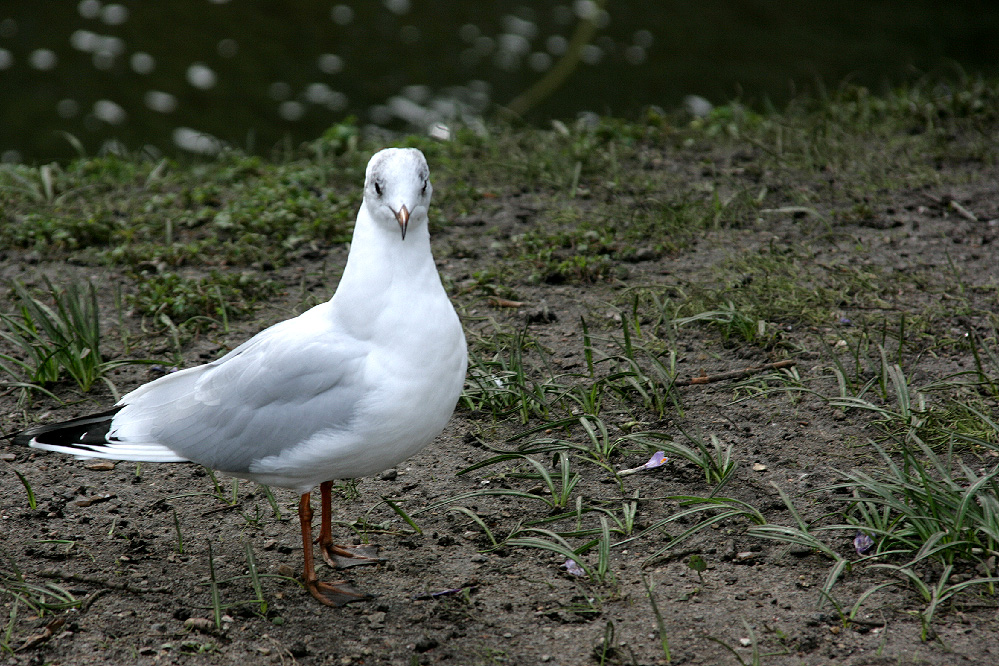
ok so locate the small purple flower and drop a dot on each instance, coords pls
(845, 321)
(573, 567)
(862, 543)
(658, 460)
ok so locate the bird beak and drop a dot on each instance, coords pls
(403, 216)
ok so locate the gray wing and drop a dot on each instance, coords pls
(270, 394)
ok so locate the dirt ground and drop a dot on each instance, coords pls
(133, 542)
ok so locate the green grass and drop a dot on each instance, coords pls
(55, 337)
(196, 302)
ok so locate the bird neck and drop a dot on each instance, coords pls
(382, 267)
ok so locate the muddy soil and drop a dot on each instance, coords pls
(133, 541)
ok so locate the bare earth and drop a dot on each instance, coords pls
(133, 543)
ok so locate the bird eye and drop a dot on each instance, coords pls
(423, 190)
(378, 188)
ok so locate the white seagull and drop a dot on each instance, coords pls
(347, 389)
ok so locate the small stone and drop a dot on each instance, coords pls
(425, 643)
(540, 315)
(646, 254)
(376, 620)
(8, 457)
(202, 624)
(286, 571)
(389, 475)
(101, 466)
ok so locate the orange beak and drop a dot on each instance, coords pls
(403, 216)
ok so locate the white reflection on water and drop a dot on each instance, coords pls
(291, 110)
(342, 14)
(635, 55)
(557, 45)
(524, 40)
(329, 63)
(196, 142)
(84, 40)
(109, 112)
(114, 14)
(43, 59)
(160, 101)
(399, 7)
(201, 76)
(89, 9)
(142, 62)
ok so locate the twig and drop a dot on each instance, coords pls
(97, 594)
(962, 211)
(498, 302)
(734, 374)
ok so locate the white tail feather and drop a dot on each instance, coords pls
(135, 452)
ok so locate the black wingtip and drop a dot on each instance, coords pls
(83, 430)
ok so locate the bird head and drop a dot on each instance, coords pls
(397, 187)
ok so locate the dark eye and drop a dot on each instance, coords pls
(423, 190)
(378, 188)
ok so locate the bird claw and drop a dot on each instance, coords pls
(335, 594)
(344, 557)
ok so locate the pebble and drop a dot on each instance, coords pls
(425, 644)
(201, 624)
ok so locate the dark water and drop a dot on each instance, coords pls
(261, 73)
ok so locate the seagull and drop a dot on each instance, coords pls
(347, 389)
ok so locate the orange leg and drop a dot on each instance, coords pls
(339, 557)
(331, 594)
